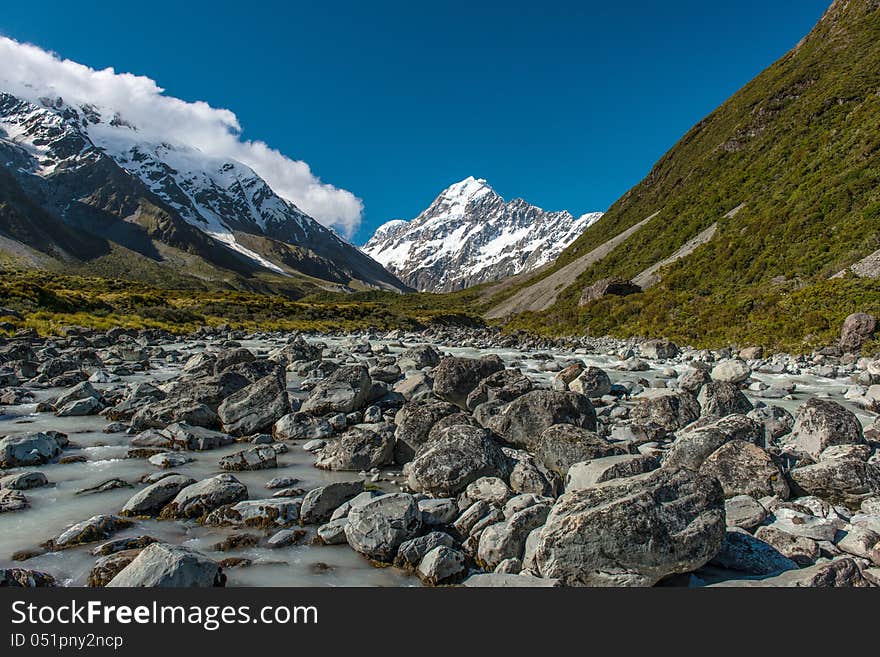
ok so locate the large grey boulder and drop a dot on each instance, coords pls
(165, 565)
(720, 398)
(846, 481)
(587, 474)
(28, 449)
(633, 531)
(743, 468)
(82, 390)
(299, 426)
(411, 552)
(442, 565)
(731, 371)
(592, 382)
(505, 386)
(666, 412)
(507, 540)
(821, 423)
(262, 457)
(202, 497)
(857, 329)
(523, 420)
(659, 349)
(151, 500)
(378, 527)
(345, 390)
(463, 454)
(740, 551)
(255, 408)
(414, 421)
(320, 503)
(694, 446)
(184, 436)
(362, 447)
(418, 357)
(455, 378)
(96, 528)
(562, 445)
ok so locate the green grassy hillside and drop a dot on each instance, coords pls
(799, 148)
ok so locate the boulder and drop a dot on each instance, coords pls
(721, 398)
(523, 420)
(262, 457)
(592, 382)
(731, 371)
(743, 552)
(562, 445)
(744, 512)
(24, 481)
(507, 540)
(28, 449)
(256, 407)
(202, 497)
(362, 447)
(320, 503)
(455, 378)
(667, 412)
(845, 481)
(587, 474)
(800, 549)
(418, 357)
(633, 531)
(411, 552)
(694, 446)
(857, 329)
(345, 390)
(505, 386)
(377, 528)
(151, 500)
(821, 423)
(463, 454)
(743, 468)
(414, 421)
(96, 528)
(442, 565)
(659, 349)
(165, 565)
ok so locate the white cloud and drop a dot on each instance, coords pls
(31, 72)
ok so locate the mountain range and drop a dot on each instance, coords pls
(81, 189)
(470, 235)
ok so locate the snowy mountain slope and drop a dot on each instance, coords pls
(470, 235)
(55, 150)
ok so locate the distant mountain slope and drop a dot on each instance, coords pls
(470, 235)
(789, 170)
(89, 170)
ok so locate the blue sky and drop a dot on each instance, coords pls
(566, 104)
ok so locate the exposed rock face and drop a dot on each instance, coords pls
(722, 398)
(470, 235)
(634, 531)
(608, 287)
(587, 474)
(523, 420)
(165, 565)
(743, 468)
(319, 504)
(821, 423)
(857, 329)
(695, 445)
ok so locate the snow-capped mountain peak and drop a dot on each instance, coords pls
(470, 235)
(46, 141)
